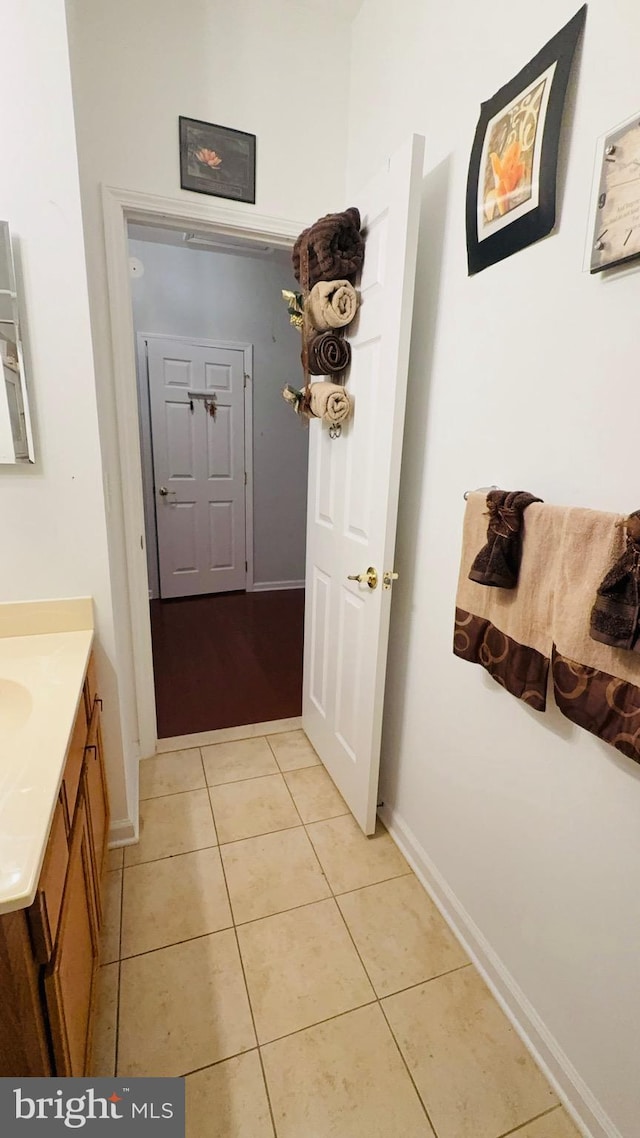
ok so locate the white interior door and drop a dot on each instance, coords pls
(199, 465)
(353, 498)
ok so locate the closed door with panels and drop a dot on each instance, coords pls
(196, 399)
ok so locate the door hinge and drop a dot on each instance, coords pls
(245, 379)
(245, 478)
(246, 566)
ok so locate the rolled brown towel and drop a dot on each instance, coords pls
(329, 401)
(328, 354)
(498, 562)
(615, 616)
(331, 248)
(332, 304)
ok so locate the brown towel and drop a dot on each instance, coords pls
(508, 631)
(595, 686)
(615, 615)
(331, 248)
(332, 304)
(328, 354)
(329, 401)
(498, 562)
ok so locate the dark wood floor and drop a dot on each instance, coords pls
(227, 660)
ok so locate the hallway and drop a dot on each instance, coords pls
(227, 660)
(295, 971)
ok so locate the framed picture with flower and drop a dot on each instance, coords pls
(511, 187)
(217, 160)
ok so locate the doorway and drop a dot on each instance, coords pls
(224, 478)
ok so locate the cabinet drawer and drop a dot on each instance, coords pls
(44, 914)
(73, 768)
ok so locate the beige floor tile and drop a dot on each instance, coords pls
(293, 750)
(172, 773)
(272, 873)
(229, 1100)
(256, 806)
(350, 860)
(230, 762)
(110, 941)
(105, 1024)
(183, 1007)
(474, 1075)
(315, 795)
(173, 824)
(172, 900)
(115, 858)
(400, 934)
(343, 1078)
(556, 1124)
(301, 967)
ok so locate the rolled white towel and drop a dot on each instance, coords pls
(331, 304)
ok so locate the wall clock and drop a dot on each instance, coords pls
(616, 232)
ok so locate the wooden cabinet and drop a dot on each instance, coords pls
(49, 953)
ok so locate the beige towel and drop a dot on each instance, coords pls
(330, 401)
(595, 686)
(508, 631)
(513, 633)
(332, 304)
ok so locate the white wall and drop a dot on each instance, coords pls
(53, 519)
(221, 296)
(526, 376)
(139, 64)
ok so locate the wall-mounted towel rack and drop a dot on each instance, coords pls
(478, 489)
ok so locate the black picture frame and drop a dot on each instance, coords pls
(527, 110)
(233, 175)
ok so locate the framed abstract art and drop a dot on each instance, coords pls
(511, 187)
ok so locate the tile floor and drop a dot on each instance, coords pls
(295, 971)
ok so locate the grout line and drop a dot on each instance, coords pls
(378, 998)
(419, 983)
(535, 1118)
(175, 943)
(173, 793)
(406, 1065)
(262, 834)
(244, 977)
(117, 1047)
(167, 857)
(317, 1023)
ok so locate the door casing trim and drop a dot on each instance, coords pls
(119, 206)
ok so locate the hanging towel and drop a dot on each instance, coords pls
(498, 562)
(596, 686)
(329, 401)
(332, 304)
(331, 248)
(508, 631)
(328, 354)
(616, 612)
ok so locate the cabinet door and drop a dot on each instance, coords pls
(96, 801)
(69, 978)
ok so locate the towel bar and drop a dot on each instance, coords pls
(477, 490)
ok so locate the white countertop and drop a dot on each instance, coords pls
(41, 678)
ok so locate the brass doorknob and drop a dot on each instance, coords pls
(163, 491)
(388, 577)
(369, 578)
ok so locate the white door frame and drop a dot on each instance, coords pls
(247, 364)
(119, 207)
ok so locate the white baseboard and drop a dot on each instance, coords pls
(228, 734)
(267, 586)
(572, 1091)
(122, 832)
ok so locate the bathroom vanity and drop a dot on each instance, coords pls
(54, 817)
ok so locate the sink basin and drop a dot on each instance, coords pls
(15, 705)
